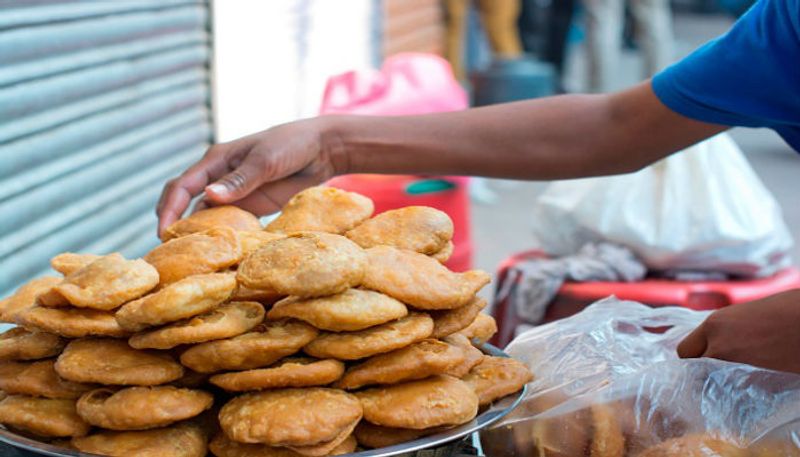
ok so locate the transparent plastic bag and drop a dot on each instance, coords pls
(608, 383)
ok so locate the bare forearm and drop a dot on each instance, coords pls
(558, 137)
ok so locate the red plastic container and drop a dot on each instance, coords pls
(449, 194)
(697, 295)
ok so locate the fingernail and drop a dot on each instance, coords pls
(218, 189)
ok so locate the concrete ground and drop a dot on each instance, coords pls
(503, 228)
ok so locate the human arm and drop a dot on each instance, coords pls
(566, 136)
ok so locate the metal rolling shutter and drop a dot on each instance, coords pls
(100, 103)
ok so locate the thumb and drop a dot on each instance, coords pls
(694, 345)
(239, 183)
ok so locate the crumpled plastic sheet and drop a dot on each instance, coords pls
(608, 383)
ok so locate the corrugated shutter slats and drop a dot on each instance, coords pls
(100, 103)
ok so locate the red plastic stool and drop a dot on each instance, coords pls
(449, 194)
(575, 296)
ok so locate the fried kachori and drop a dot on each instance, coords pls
(415, 228)
(108, 282)
(113, 362)
(351, 310)
(38, 379)
(308, 264)
(180, 300)
(290, 417)
(264, 345)
(182, 440)
(436, 401)
(225, 321)
(322, 209)
(199, 253)
(71, 322)
(141, 408)
(289, 372)
(496, 377)
(218, 216)
(45, 417)
(374, 340)
(420, 281)
(25, 297)
(20, 344)
(449, 321)
(415, 361)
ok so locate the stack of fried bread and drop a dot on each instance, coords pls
(325, 331)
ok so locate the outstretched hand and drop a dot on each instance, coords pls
(763, 333)
(258, 173)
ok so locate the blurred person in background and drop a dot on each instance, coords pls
(499, 20)
(559, 15)
(748, 77)
(605, 20)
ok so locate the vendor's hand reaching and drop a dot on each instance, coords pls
(764, 333)
(258, 173)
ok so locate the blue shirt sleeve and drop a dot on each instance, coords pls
(748, 77)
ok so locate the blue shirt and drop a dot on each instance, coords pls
(748, 77)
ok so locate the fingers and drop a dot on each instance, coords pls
(239, 183)
(695, 343)
(178, 192)
(270, 198)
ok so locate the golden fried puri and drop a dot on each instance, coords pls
(375, 436)
(180, 300)
(695, 445)
(496, 377)
(322, 209)
(289, 372)
(253, 240)
(199, 253)
(265, 297)
(416, 361)
(305, 264)
(222, 446)
(374, 340)
(482, 329)
(219, 216)
(432, 402)
(420, 281)
(182, 440)
(449, 321)
(108, 282)
(443, 255)
(290, 417)
(264, 345)
(472, 355)
(45, 417)
(38, 379)
(326, 448)
(69, 262)
(141, 408)
(25, 297)
(416, 228)
(71, 322)
(608, 439)
(113, 362)
(20, 344)
(225, 321)
(351, 310)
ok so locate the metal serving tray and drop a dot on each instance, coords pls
(408, 449)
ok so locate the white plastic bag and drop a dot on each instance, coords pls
(701, 210)
(608, 383)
